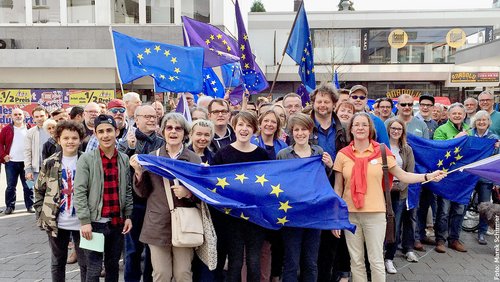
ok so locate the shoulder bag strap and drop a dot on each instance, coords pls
(166, 185)
(387, 192)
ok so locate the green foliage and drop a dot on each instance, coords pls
(257, 6)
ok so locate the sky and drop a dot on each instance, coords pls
(359, 5)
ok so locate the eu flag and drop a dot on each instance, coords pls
(272, 194)
(173, 68)
(220, 48)
(211, 84)
(231, 74)
(447, 155)
(300, 48)
(304, 95)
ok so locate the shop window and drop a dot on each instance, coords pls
(81, 11)
(12, 12)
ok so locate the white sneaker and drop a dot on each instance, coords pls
(411, 257)
(389, 267)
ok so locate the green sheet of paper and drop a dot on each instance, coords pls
(96, 244)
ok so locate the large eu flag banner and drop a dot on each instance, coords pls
(272, 194)
(300, 49)
(447, 155)
(173, 68)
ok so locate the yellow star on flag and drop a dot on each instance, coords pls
(276, 190)
(212, 37)
(457, 149)
(222, 182)
(228, 49)
(261, 179)
(207, 41)
(448, 154)
(227, 210)
(177, 70)
(305, 50)
(247, 66)
(213, 190)
(282, 220)
(157, 48)
(174, 60)
(147, 51)
(244, 217)
(303, 59)
(458, 157)
(224, 42)
(243, 56)
(219, 53)
(440, 163)
(312, 70)
(171, 78)
(284, 206)
(241, 177)
(242, 47)
(245, 37)
(219, 36)
(166, 53)
(445, 169)
(140, 56)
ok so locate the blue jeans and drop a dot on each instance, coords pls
(483, 195)
(449, 218)
(134, 250)
(301, 253)
(427, 199)
(13, 171)
(113, 245)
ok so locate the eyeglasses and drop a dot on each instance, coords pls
(218, 112)
(176, 128)
(396, 129)
(291, 106)
(406, 104)
(117, 110)
(384, 107)
(485, 100)
(426, 105)
(148, 116)
(356, 97)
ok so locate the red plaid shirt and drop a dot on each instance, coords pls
(111, 197)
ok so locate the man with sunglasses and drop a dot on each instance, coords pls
(116, 109)
(405, 112)
(358, 95)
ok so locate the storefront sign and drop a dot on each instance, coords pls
(456, 37)
(468, 77)
(365, 45)
(398, 38)
(15, 96)
(82, 97)
(398, 92)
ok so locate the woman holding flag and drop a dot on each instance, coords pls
(358, 179)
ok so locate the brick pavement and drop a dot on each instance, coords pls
(25, 256)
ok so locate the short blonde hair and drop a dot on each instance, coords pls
(300, 119)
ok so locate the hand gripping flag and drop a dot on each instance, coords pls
(173, 68)
(447, 155)
(272, 194)
(300, 49)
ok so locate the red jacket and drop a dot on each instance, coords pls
(6, 137)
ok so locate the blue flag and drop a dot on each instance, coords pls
(211, 84)
(173, 68)
(447, 155)
(231, 74)
(488, 168)
(255, 80)
(183, 108)
(272, 194)
(300, 49)
(304, 95)
(336, 79)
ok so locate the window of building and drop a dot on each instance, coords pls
(339, 46)
(160, 11)
(125, 11)
(81, 11)
(196, 9)
(12, 11)
(46, 11)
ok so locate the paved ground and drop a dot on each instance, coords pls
(25, 255)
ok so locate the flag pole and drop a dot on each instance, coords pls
(284, 50)
(116, 59)
(464, 166)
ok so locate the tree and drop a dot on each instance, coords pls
(351, 8)
(257, 6)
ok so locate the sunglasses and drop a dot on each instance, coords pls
(117, 110)
(356, 97)
(406, 104)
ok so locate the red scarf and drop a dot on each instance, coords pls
(359, 172)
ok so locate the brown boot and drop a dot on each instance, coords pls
(440, 247)
(418, 246)
(72, 258)
(457, 246)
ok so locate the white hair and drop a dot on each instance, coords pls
(206, 99)
(478, 115)
(131, 96)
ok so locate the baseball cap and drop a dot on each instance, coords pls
(104, 119)
(426, 96)
(116, 103)
(358, 87)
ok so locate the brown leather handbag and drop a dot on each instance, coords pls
(390, 229)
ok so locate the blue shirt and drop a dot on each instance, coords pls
(326, 138)
(380, 130)
(278, 145)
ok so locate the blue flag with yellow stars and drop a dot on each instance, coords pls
(300, 49)
(231, 74)
(173, 68)
(272, 194)
(255, 80)
(212, 86)
(431, 155)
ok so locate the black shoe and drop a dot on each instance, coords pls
(30, 210)
(8, 211)
(481, 240)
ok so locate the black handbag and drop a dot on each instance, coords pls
(390, 229)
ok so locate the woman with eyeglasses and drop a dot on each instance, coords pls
(168, 261)
(480, 124)
(358, 179)
(399, 193)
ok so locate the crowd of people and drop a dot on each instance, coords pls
(80, 176)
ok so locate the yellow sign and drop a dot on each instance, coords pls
(83, 97)
(398, 92)
(398, 38)
(456, 38)
(15, 96)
